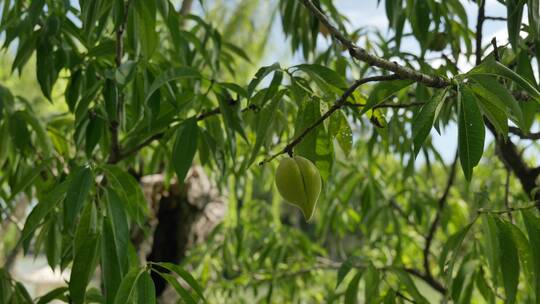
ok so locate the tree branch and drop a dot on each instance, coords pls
(362, 55)
(114, 124)
(436, 220)
(340, 102)
(199, 117)
(479, 27)
(523, 135)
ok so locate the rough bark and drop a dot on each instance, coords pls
(185, 216)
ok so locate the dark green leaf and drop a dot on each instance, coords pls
(45, 205)
(351, 293)
(498, 96)
(532, 223)
(384, 90)
(184, 294)
(264, 122)
(54, 294)
(230, 110)
(424, 120)
(86, 255)
(514, 14)
(146, 27)
(259, 76)
(325, 74)
(344, 269)
(129, 191)
(471, 132)
(509, 259)
(170, 75)
(18, 129)
(494, 68)
(185, 147)
(411, 288)
(127, 287)
(146, 292)
(534, 18)
(80, 183)
(186, 276)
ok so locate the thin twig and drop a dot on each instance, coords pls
(479, 27)
(115, 124)
(198, 117)
(507, 194)
(517, 131)
(362, 55)
(495, 49)
(340, 102)
(435, 223)
(494, 18)
(508, 210)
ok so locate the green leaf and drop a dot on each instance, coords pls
(498, 96)
(53, 243)
(86, 255)
(420, 21)
(372, 280)
(45, 205)
(494, 68)
(451, 248)
(45, 67)
(514, 14)
(93, 134)
(264, 123)
(81, 181)
(471, 131)
(423, 121)
(497, 117)
(325, 74)
(27, 180)
(43, 140)
(146, 292)
(509, 259)
(127, 287)
(184, 294)
(125, 72)
(111, 272)
(352, 289)
(411, 288)
(186, 276)
(534, 18)
(384, 90)
(18, 129)
(259, 76)
(317, 144)
(118, 219)
(170, 75)
(344, 269)
(54, 294)
(110, 97)
(114, 261)
(146, 27)
(341, 130)
(185, 147)
(230, 110)
(129, 191)
(532, 223)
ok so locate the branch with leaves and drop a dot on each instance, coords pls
(339, 103)
(362, 55)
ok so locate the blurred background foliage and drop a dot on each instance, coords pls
(84, 119)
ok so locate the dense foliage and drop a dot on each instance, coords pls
(132, 88)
